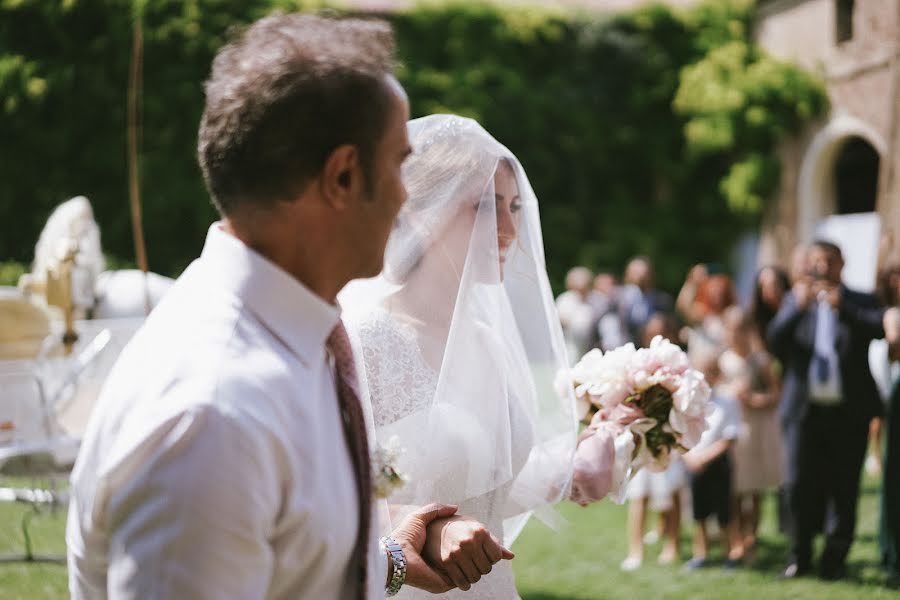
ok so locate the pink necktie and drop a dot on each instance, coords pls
(357, 441)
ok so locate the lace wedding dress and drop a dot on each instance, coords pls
(401, 386)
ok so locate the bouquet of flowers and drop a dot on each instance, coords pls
(651, 397)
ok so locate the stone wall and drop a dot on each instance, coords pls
(862, 76)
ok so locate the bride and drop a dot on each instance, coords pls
(460, 345)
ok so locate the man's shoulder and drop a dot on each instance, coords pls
(216, 356)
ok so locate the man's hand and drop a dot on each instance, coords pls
(411, 534)
(833, 296)
(463, 549)
(803, 293)
(698, 274)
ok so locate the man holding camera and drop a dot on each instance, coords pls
(821, 335)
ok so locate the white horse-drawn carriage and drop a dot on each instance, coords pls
(61, 330)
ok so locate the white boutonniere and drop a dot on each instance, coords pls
(386, 479)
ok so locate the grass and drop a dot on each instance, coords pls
(31, 581)
(580, 562)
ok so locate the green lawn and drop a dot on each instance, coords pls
(581, 562)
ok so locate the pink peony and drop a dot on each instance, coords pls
(649, 399)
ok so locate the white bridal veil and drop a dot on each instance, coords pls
(459, 337)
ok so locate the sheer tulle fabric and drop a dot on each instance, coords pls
(459, 350)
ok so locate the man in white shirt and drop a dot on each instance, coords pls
(224, 457)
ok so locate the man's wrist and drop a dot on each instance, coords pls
(396, 565)
(390, 566)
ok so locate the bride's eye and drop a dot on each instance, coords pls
(515, 206)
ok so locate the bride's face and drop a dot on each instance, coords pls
(456, 241)
(509, 206)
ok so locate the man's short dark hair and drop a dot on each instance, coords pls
(828, 247)
(283, 95)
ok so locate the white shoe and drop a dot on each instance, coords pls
(631, 564)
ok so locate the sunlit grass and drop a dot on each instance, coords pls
(580, 562)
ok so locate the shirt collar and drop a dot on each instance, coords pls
(291, 311)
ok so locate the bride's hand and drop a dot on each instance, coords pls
(463, 549)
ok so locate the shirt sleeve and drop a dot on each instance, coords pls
(193, 519)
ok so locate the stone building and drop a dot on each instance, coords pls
(850, 161)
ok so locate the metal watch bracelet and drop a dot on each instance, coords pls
(399, 560)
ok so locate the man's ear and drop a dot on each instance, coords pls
(341, 175)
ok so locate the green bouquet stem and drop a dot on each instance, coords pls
(656, 403)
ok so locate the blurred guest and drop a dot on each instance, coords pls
(658, 491)
(608, 325)
(884, 358)
(887, 289)
(576, 313)
(684, 303)
(821, 334)
(749, 375)
(605, 284)
(798, 263)
(715, 293)
(772, 283)
(639, 300)
(709, 465)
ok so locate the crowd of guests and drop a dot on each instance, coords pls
(805, 378)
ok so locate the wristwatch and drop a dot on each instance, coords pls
(399, 560)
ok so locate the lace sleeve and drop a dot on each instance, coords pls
(399, 381)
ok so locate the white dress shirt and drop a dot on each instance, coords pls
(215, 464)
(825, 391)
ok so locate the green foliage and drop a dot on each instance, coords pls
(739, 103)
(647, 132)
(10, 271)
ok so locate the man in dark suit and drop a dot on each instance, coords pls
(822, 334)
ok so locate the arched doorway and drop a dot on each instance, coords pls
(856, 177)
(839, 173)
